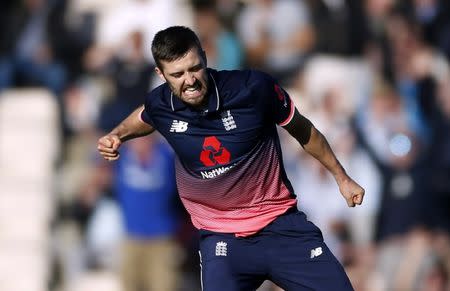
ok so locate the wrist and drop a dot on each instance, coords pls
(340, 175)
(119, 133)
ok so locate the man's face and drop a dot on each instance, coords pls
(187, 77)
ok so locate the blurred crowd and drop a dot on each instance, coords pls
(372, 75)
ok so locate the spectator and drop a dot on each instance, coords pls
(433, 16)
(146, 191)
(341, 26)
(410, 262)
(385, 132)
(28, 47)
(222, 47)
(277, 35)
(92, 219)
(130, 74)
(438, 158)
(147, 16)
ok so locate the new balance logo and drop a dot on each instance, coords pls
(228, 121)
(221, 249)
(178, 126)
(316, 252)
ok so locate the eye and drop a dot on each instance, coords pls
(177, 75)
(196, 68)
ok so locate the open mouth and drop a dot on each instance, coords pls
(192, 91)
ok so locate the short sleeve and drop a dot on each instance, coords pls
(282, 106)
(145, 115)
(276, 102)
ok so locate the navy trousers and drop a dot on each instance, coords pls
(290, 252)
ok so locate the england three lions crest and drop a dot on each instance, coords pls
(228, 120)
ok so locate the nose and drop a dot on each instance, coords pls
(190, 79)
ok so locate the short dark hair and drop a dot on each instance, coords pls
(173, 43)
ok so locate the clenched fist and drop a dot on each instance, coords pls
(108, 146)
(352, 192)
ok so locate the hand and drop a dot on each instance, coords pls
(108, 146)
(352, 192)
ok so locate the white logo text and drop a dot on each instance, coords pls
(316, 252)
(179, 126)
(215, 172)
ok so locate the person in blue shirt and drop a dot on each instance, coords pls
(144, 184)
(230, 176)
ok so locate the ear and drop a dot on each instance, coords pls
(160, 74)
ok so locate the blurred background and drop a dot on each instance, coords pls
(372, 75)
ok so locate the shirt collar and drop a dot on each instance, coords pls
(212, 95)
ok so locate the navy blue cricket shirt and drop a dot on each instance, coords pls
(229, 168)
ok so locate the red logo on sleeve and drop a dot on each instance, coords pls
(280, 94)
(214, 153)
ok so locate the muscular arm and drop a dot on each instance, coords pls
(130, 127)
(317, 146)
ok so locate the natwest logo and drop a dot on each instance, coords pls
(214, 153)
